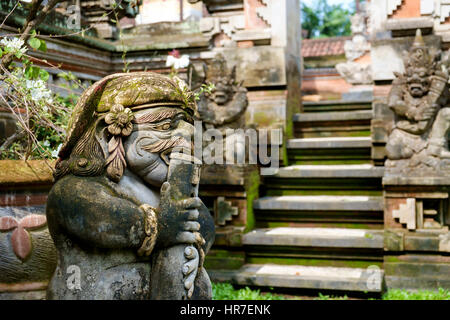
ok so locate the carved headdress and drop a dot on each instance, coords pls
(217, 70)
(109, 103)
(421, 63)
(420, 56)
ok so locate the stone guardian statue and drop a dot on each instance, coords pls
(124, 213)
(418, 98)
(224, 107)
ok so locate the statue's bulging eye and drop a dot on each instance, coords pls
(164, 126)
(171, 124)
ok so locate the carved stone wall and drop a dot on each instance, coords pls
(28, 256)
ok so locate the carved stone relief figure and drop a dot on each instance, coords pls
(418, 98)
(359, 45)
(224, 107)
(123, 212)
(352, 71)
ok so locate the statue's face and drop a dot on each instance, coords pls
(418, 82)
(156, 132)
(222, 93)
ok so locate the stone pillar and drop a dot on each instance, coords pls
(263, 41)
(286, 33)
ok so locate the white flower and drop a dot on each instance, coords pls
(55, 152)
(14, 44)
(46, 143)
(177, 63)
(38, 90)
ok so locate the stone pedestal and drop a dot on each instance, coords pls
(417, 237)
(228, 191)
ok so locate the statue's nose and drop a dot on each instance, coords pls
(185, 130)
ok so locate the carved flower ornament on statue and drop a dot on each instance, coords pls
(119, 120)
(120, 126)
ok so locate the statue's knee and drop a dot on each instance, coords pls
(396, 151)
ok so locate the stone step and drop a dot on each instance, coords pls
(336, 105)
(332, 124)
(329, 143)
(315, 237)
(319, 203)
(314, 180)
(359, 171)
(303, 277)
(333, 116)
(329, 150)
(318, 210)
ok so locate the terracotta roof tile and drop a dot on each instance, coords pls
(324, 47)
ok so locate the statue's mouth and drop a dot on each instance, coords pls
(166, 146)
(416, 89)
(220, 97)
(171, 152)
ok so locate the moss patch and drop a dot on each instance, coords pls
(31, 172)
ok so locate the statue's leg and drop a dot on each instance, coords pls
(438, 145)
(396, 148)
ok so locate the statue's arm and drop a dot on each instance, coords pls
(395, 99)
(94, 214)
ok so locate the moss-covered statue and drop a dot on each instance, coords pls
(124, 213)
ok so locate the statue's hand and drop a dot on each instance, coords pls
(429, 112)
(400, 108)
(177, 219)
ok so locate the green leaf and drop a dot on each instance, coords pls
(35, 43)
(1, 52)
(43, 46)
(44, 75)
(32, 72)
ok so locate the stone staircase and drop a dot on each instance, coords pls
(319, 222)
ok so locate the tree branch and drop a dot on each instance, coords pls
(11, 139)
(33, 20)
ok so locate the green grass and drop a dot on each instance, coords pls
(396, 294)
(225, 291)
(326, 297)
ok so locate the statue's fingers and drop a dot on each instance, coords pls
(191, 203)
(201, 257)
(186, 237)
(191, 226)
(199, 239)
(193, 215)
(165, 189)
